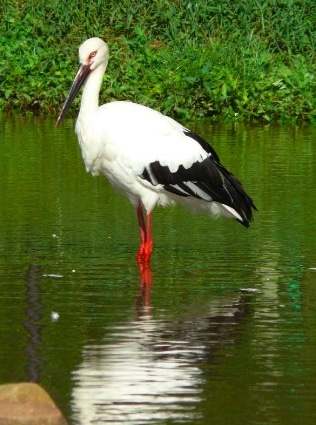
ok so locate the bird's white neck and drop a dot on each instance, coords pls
(90, 94)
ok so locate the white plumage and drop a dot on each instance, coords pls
(147, 156)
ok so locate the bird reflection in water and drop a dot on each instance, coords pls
(143, 297)
(150, 368)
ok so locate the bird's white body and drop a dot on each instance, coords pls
(147, 156)
(121, 138)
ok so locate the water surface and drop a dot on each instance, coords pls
(226, 333)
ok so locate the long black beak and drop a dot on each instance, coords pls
(80, 78)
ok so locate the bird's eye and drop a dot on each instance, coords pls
(92, 55)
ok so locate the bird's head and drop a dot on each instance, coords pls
(93, 53)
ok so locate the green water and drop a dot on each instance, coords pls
(227, 334)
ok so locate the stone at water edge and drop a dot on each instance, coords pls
(28, 404)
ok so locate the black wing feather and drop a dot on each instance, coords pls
(207, 179)
(206, 146)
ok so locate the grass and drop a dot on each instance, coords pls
(249, 59)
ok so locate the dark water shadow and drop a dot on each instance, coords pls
(33, 313)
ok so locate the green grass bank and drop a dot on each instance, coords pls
(246, 59)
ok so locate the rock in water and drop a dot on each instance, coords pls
(28, 404)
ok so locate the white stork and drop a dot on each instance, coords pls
(147, 156)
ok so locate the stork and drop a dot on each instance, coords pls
(147, 156)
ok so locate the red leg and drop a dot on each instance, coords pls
(149, 240)
(146, 242)
(141, 223)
